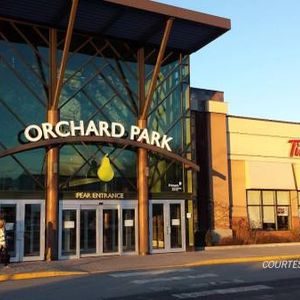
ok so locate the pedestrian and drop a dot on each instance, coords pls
(4, 256)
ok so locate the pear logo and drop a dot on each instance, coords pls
(105, 171)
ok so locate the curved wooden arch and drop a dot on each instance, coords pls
(99, 139)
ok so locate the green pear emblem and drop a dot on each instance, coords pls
(105, 171)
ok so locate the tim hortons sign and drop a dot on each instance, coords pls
(295, 148)
(35, 133)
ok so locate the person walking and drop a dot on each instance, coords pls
(4, 256)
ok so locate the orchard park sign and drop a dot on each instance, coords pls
(63, 129)
(75, 132)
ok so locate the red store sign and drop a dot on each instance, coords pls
(295, 149)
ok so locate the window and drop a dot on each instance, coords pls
(269, 210)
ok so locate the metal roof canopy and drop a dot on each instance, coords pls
(141, 22)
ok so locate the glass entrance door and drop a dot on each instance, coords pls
(175, 226)
(69, 232)
(88, 230)
(91, 228)
(167, 226)
(8, 211)
(111, 230)
(129, 231)
(25, 228)
(32, 230)
(158, 226)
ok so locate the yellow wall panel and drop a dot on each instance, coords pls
(261, 140)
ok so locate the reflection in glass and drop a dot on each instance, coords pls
(269, 218)
(69, 232)
(163, 174)
(169, 114)
(268, 197)
(282, 217)
(26, 174)
(110, 230)
(175, 224)
(158, 239)
(79, 165)
(283, 222)
(253, 197)
(32, 229)
(128, 230)
(254, 213)
(23, 96)
(87, 231)
(283, 198)
(8, 212)
(105, 89)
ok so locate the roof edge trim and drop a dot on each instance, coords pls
(174, 11)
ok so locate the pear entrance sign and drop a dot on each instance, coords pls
(105, 171)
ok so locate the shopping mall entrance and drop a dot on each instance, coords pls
(25, 221)
(90, 228)
(167, 226)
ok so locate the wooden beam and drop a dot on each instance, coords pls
(142, 162)
(161, 53)
(52, 66)
(65, 54)
(52, 195)
(52, 159)
(143, 197)
(100, 139)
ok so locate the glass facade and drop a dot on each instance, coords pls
(23, 100)
(169, 114)
(101, 84)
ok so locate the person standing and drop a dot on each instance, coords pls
(3, 244)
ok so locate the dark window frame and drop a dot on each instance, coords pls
(275, 209)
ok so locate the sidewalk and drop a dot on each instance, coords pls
(106, 264)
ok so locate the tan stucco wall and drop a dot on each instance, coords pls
(238, 188)
(259, 156)
(261, 140)
(294, 208)
(219, 170)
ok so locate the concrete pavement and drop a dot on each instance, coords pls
(106, 264)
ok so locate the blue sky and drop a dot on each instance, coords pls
(257, 63)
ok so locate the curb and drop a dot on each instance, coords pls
(271, 245)
(36, 275)
(208, 262)
(223, 261)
